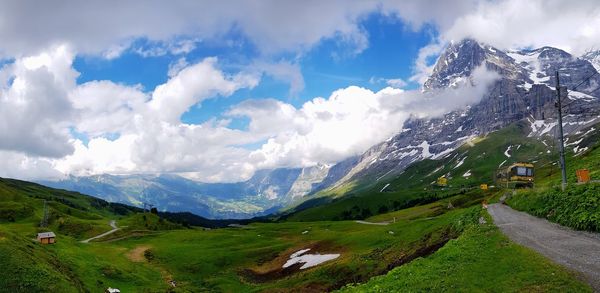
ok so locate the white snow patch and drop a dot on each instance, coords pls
(459, 129)
(507, 150)
(579, 151)
(540, 127)
(299, 253)
(386, 186)
(460, 162)
(309, 260)
(436, 170)
(575, 142)
(575, 95)
(467, 174)
(589, 131)
(503, 162)
(426, 153)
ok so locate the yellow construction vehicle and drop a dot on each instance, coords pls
(516, 175)
(442, 181)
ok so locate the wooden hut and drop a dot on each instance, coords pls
(46, 237)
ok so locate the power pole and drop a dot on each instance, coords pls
(563, 166)
(44, 222)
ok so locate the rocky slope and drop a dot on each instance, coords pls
(525, 90)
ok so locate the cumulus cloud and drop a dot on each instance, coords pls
(574, 27)
(350, 120)
(109, 27)
(34, 107)
(193, 84)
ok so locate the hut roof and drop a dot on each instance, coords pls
(46, 235)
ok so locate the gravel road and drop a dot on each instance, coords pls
(579, 251)
(113, 224)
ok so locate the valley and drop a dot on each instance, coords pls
(375, 222)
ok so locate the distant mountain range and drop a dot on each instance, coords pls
(524, 91)
(267, 191)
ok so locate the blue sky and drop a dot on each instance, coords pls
(328, 66)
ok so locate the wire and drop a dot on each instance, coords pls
(588, 78)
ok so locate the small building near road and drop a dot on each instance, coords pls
(46, 237)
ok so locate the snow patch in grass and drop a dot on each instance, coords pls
(507, 150)
(462, 161)
(467, 174)
(309, 260)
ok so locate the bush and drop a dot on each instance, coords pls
(577, 207)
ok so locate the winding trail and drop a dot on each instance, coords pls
(113, 224)
(372, 223)
(577, 250)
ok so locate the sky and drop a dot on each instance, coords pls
(215, 90)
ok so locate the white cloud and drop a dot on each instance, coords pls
(34, 108)
(106, 107)
(393, 82)
(283, 71)
(574, 27)
(107, 27)
(350, 121)
(193, 84)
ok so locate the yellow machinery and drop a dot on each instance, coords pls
(483, 186)
(442, 181)
(516, 175)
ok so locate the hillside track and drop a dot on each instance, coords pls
(113, 224)
(576, 250)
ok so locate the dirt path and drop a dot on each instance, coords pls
(137, 254)
(579, 251)
(113, 224)
(372, 223)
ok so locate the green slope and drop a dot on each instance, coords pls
(480, 260)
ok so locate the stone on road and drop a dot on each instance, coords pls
(576, 250)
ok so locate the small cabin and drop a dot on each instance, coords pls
(46, 237)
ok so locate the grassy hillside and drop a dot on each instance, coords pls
(151, 251)
(481, 260)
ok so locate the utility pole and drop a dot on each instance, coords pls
(563, 166)
(44, 222)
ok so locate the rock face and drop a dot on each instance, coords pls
(593, 57)
(525, 90)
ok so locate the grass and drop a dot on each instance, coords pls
(481, 260)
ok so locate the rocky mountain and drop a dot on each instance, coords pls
(593, 57)
(525, 90)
